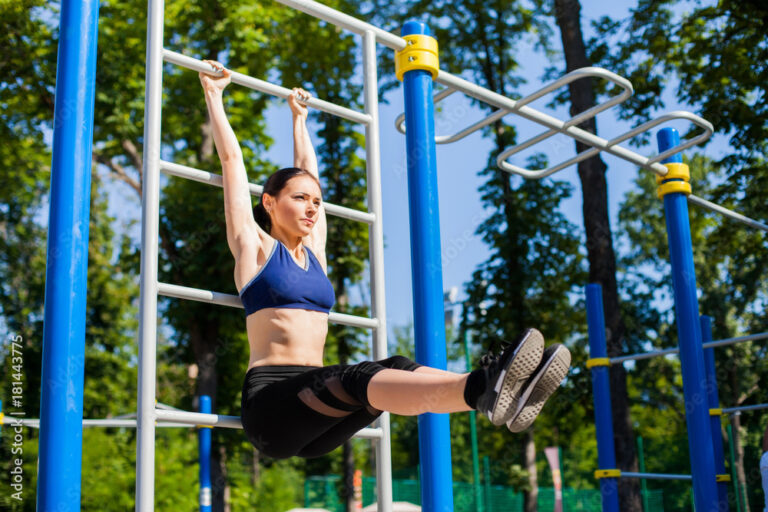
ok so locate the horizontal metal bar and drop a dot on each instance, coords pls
(215, 420)
(225, 299)
(190, 173)
(265, 87)
(198, 418)
(345, 21)
(744, 408)
(728, 213)
(655, 476)
(711, 344)
(105, 423)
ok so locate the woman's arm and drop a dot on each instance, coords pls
(241, 226)
(304, 157)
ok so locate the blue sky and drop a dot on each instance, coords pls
(457, 166)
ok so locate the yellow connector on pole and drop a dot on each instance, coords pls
(598, 361)
(608, 473)
(676, 180)
(420, 53)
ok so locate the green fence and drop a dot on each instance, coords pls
(324, 492)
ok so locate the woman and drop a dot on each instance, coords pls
(291, 404)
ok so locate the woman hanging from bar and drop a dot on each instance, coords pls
(291, 404)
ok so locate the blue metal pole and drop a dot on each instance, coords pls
(601, 391)
(689, 333)
(427, 276)
(61, 401)
(714, 403)
(204, 445)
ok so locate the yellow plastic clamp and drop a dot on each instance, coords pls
(676, 180)
(2, 418)
(608, 473)
(715, 412)
(722, 478)
(419, 53)
(598, 361)
(204, 426)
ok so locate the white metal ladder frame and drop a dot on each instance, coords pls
(148, 413)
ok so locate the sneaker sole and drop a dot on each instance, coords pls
(541, 388)
(521, 365)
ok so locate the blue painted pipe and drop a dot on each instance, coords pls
(689, 333)
(427, 276)
(714, 403)
(601, 392)
(61, 401)
(204, 454)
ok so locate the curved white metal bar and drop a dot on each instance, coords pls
(588, 72)
(610, 146)
(265, 87)
(400, 120)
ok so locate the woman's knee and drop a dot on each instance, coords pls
(398, 362)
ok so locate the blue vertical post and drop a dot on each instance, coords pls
(204, 454)
(61, 401)
(426, 270)
(672, 189)
(601, 391)
(714, 406)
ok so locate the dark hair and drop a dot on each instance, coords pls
(274, 184)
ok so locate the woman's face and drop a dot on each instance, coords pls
(294, 212)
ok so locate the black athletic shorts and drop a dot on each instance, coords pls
(308, 411)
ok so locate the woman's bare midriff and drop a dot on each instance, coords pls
(286, 336)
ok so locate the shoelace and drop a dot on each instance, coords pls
(491, 357)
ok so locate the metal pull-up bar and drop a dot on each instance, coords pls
(623, 83)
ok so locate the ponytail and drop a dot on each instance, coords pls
(262, 217)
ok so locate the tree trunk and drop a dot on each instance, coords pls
(531, 496)
(739, 449)
(602, 259)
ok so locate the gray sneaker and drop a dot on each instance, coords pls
(544, 381)
(507, 374)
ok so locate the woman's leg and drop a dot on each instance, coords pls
(423, 390)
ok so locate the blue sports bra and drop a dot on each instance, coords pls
(282, 283)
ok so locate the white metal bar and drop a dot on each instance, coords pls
(190, 173)
(711, 344)
(345, 21)
(265, 87)
(376, 259)
(106, 422)
(610, 146)
(221, 421)
(728, 213)
(226, 299)
(198, 418)
(744, 408)
(150, 219)
(577, 74)
(655, 476)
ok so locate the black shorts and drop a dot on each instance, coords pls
(308, 411)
